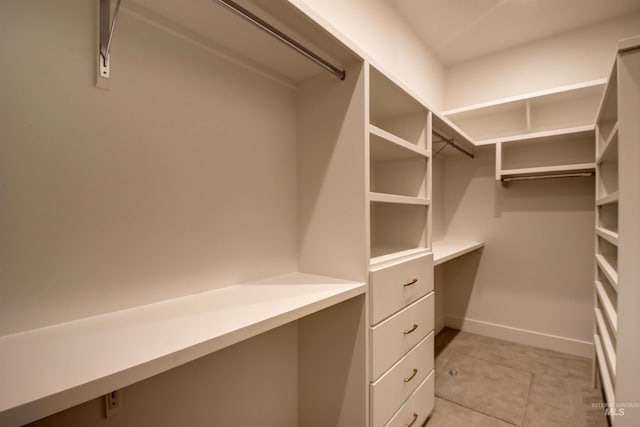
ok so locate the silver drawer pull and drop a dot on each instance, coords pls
(409, 283)
(410, 377)
(415, 418)
(413, 328)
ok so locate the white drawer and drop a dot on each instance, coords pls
(392, 338)
(394, 286)
(395, 386)
(417, 409)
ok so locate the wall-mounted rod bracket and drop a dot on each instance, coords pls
(282, 37)
(107, 27)
(451, 142)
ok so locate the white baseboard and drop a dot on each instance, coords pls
(440, 324)
(521, 336)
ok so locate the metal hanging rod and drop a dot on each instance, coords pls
(279, 35)
(451, 142)
(531, 177)
(107, 27)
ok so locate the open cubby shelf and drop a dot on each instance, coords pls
(559, 153)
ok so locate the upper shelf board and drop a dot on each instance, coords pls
(53, 368)
(446, 250)
(547, 135)
(560, 94)
(206, 23)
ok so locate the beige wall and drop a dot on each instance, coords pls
(141, 193)
(378, 31)
(573, 57)
(535, 272)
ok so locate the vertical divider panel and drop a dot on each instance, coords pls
(332, 233)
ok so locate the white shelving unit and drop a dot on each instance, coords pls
(542, 134)
(617, 236)
(555, 153)
(401, 269)
(565, 108)
(399, 170)
(155, 338)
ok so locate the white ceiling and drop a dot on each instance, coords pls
(457, 30)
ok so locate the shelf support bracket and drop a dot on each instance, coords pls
(107, 27)
(452, 143)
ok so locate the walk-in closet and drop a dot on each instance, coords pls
(316, 213)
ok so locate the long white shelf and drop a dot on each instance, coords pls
(46, 370)
(607, 385)
(608, 235)
(538, 135)
(606, 342)
(548, 170)
(396, 140)
(525, 97)
(608, 270)
(395, 198)
(610, 198)
(607, 306)
(446, 250)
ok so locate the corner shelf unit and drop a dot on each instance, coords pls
(531, 114)
(558, 153)
(617, 237)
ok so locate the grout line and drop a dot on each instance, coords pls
(526, 406)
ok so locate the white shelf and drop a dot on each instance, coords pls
(60, 366)
(538, 135)
(548, 170)
(607, 306)
(391, 138)
(383, 255)
(607, 385)
(394, 198)
(608, 235)
(525, 97)
(606, 342)
(608, 270)
(571, 107)
(610, 198)
(445, 250)
(609, 145)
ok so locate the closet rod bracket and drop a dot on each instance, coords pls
(107, 27)
(452, 143)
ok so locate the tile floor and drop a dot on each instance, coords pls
(503, 384)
